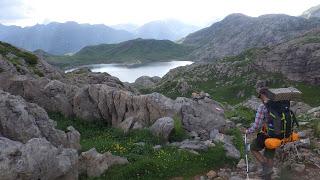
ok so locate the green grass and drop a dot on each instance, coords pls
(316, 127)
(242, 115)
(145, 162)
(178, 134)
(311, 39)
(310, 93)
(237, 140)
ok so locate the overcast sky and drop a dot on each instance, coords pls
(110, 12)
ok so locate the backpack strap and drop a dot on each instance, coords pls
(294, 118)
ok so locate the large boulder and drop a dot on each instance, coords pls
(93, 164)
(200, 116)
(163, 127)
(36, 159)
(22, 121)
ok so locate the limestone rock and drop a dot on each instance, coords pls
(231, 150)
(200, 116)
(183, 87)
(22, 121)
(36, 159)
(211, 174)
(315, 112)
(162, 127)
(146, 81)
(127, 124)
(102, 102)
(252, 103)
(299, 168)
(73, 137)
(241, 164)
(94, 164)
(299, 107)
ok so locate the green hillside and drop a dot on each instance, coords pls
(133, 51)
(232, 79)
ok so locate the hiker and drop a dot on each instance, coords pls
(258, 144)
(275, 122)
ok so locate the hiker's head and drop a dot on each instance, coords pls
(263, 94)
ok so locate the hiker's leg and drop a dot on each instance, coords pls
(259, 156)
(268, 165)
(269, 154)
(255, 148)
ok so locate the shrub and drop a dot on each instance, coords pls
(242, 115)
(316, 128)
(6, 48)
(30, 59)
(178, 133)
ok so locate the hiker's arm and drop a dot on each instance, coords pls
(258, 120)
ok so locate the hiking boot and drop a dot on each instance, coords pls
(266, 172)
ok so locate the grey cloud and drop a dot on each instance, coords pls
(12, 10)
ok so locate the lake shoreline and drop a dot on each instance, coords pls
(129, 72)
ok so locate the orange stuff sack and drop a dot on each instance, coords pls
(272, 143)
(294, 137)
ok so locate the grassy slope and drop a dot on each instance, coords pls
(225, 89)
(145, 162)
(133, 51)
(17, 56)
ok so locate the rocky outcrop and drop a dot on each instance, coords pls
(313, 12)
(146, 81)
(52, 95)
(14, 63)
(194, 145)
(36, 159)
(30, 146)
(238, 32)
(83, 76)
(22, 121)
(299, 107)
(315, 112)
(162, 127)
(252, 103)
(297, 60)
(93, 164)
(114, 106)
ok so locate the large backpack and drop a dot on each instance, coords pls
(281, 119)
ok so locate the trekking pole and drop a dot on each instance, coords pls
(246, 145)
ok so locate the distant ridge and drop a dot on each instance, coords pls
(132, 51)
(238, 32)
(61, 38)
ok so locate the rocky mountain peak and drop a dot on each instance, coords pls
(313, 12)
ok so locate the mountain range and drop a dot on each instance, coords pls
(169, 29)
(70, 37)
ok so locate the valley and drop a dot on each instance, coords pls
(126, 108)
